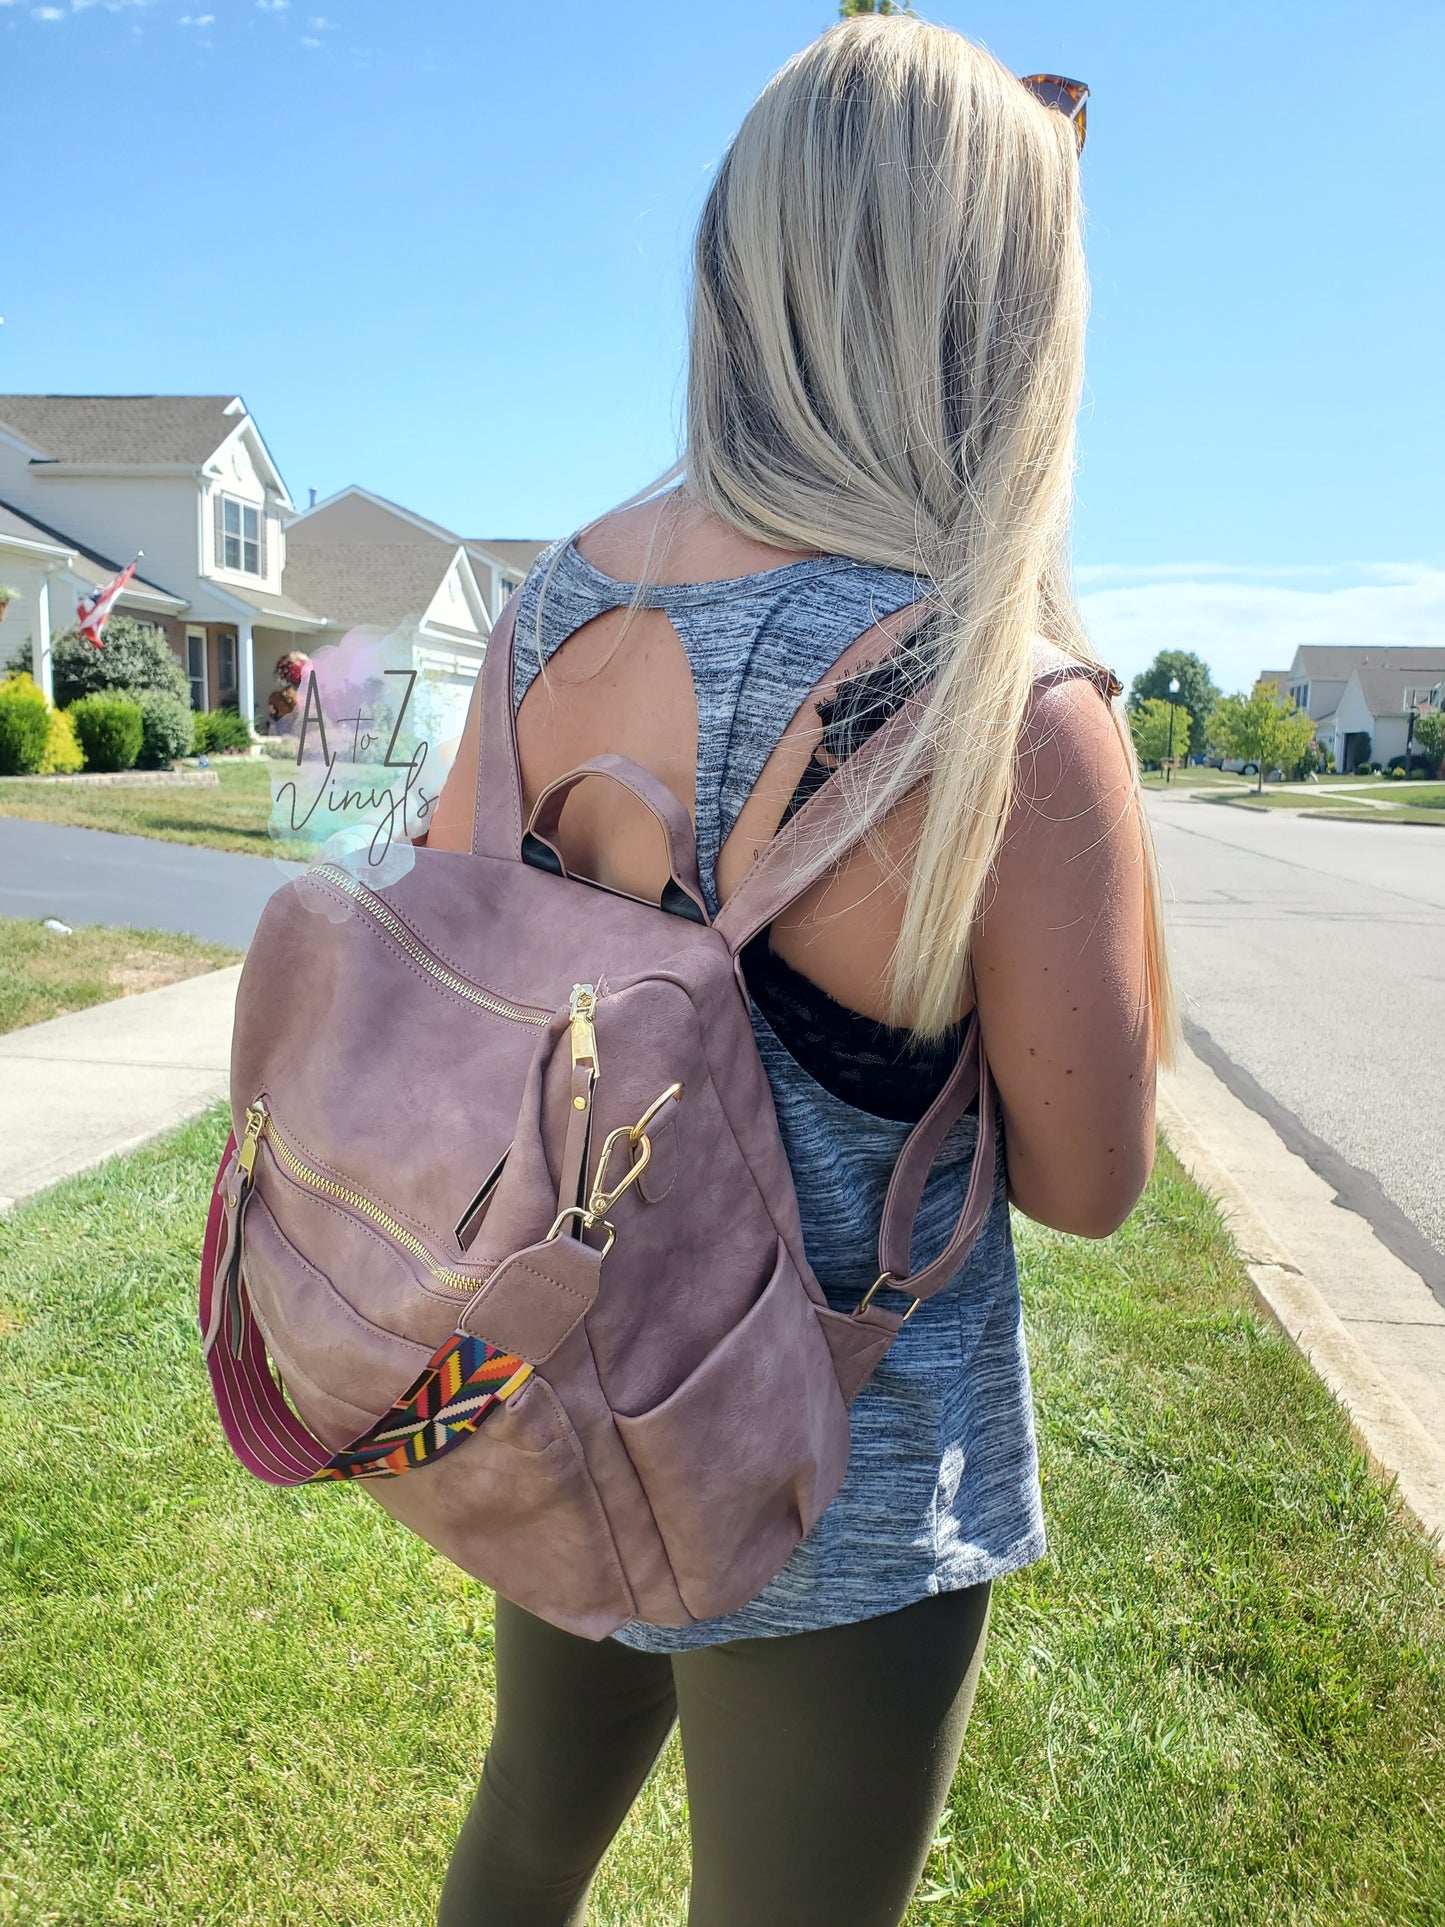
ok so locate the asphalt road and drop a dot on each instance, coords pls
(1310, 958)
(94, 876)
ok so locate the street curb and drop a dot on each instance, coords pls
(1400, 1451)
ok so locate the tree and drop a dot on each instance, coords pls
(1149, 726)
(1260, 729)
(848, 8)
(1430, 735)
(134, 656)
(1197, 691)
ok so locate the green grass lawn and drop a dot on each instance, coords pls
(43, 975)
(1382, 803)
(1194, 778)
(233, 816)
(1220, 1699)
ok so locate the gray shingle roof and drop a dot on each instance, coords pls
(1384, 688)
(511, 553)
(143, 429)
(365, 582)
(1333, 663)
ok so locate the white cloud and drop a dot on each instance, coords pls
(1244, 620)
(273, 6)
(308, 40)
(198, 20)
(48, 13)
(320, 24)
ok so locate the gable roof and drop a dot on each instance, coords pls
(89, 564)
(148, 431)
(1334, 663)
(1383, 689)
(510, 552)
(371, 582)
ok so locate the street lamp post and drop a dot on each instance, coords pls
(1169, 759)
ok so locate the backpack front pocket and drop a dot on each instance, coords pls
(739, 1462)
(516, 1507)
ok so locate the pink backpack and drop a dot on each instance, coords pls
(505, 1227)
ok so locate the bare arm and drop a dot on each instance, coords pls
(1060, 967)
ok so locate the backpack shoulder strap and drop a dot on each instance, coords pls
(497, 810)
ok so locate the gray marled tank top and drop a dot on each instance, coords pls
(942, 1487)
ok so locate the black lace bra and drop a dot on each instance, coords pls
(875, 1067)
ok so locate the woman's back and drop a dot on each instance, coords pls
(715, 684)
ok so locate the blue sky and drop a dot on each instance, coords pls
(440, 250)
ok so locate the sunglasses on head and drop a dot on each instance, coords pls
(1070, 97)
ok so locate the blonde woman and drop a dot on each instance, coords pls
(885, 365)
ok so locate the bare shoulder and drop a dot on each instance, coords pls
(1071, 761)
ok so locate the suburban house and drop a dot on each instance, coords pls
(366, 560)
(187, 480)
(1360, 699)
(87, 481)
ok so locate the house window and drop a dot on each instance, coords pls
(240, 536)
(506, 584)
(226, 668)
(196, 666)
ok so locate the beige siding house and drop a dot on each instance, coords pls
(231, 574)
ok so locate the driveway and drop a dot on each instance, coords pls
(1310, 958)
(94, 876)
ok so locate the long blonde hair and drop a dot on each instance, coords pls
(886, 363)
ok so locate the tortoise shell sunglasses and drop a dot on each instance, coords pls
(1070, 97)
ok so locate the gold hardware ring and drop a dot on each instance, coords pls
(639, 1129)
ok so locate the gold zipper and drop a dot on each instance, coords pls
(260, 1123)
(383, 914)
(581, 1007)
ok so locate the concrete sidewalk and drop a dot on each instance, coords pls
(1371, 1327)
(104, 1080)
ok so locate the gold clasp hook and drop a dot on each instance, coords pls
(602, 1199)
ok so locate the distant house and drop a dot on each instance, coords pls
(231, 575)
(366, 560)
(1358, 698)
(1372, 718)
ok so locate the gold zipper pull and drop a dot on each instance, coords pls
(580, 1006)
(255, 1125)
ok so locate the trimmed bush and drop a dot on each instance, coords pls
(62, 753)
(134, 656)
(220, 730)
(167, 728)
(24, 726)
(109, 730)
(1397, 773)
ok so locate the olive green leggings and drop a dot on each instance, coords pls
(817, 1766)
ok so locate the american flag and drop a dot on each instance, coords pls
(93, 611)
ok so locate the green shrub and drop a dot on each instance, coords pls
(167, 728)
(219, 730)
(1419, 773)
(109, 730)
(24, 726)
(63, 755)
(1397, 773)
(134, 656)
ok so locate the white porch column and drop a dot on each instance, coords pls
(246, 674)
(41, 667)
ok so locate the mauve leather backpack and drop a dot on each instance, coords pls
(505, 1227)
